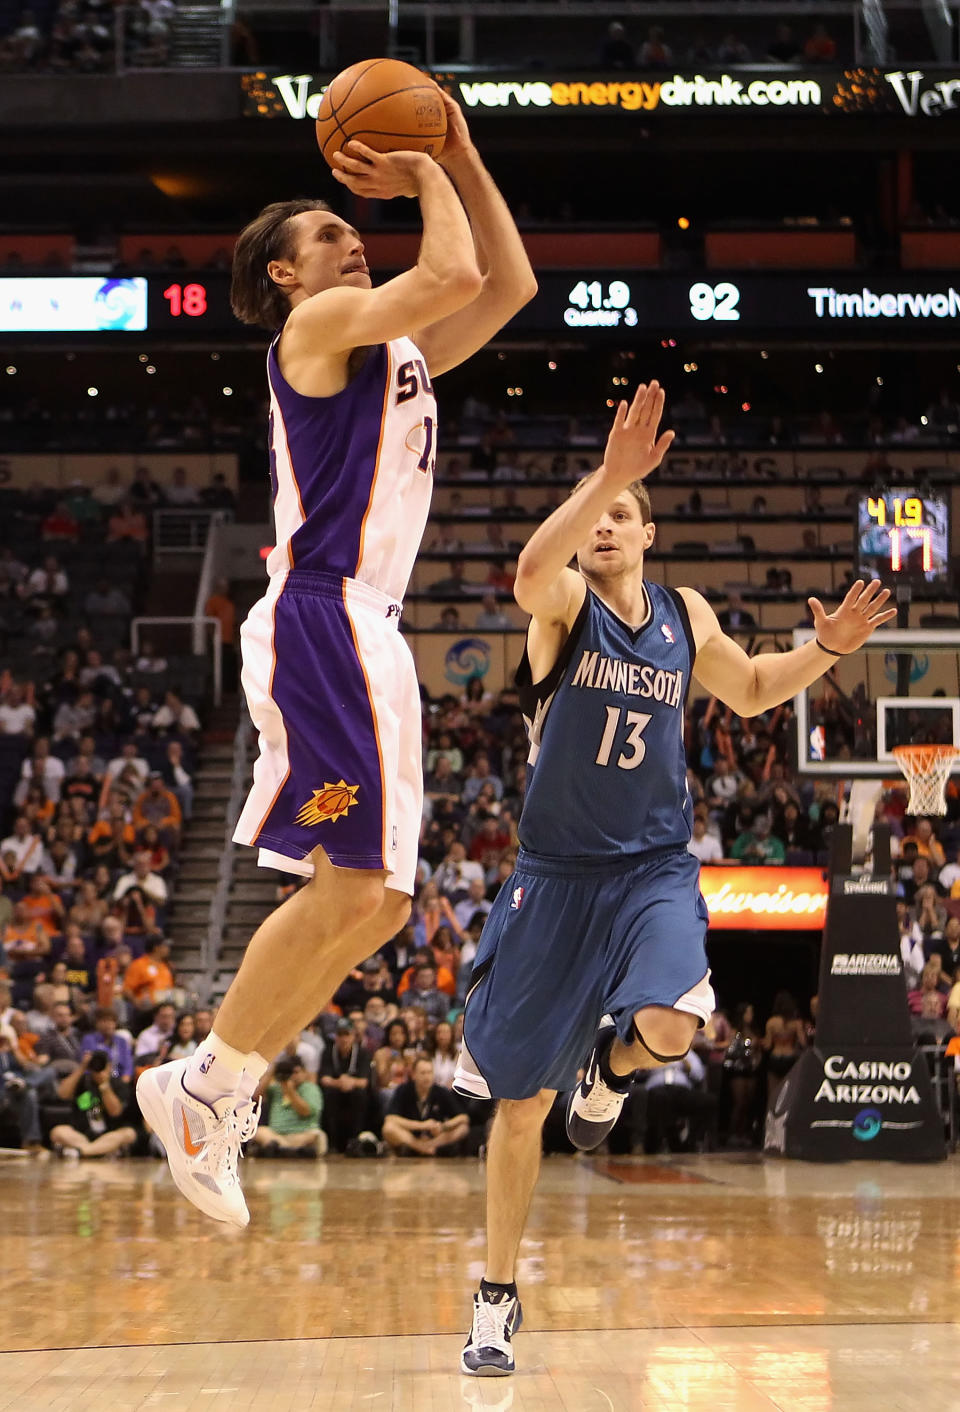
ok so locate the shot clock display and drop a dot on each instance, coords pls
(903, 533)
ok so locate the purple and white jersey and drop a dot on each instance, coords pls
(352, 474)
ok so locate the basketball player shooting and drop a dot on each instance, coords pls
(330, 682)
(596, 945)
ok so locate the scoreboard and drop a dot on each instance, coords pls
(903, 535)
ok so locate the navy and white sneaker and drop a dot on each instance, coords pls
(488, 1352)
(593, 1107)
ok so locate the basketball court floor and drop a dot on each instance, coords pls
(710, 1283)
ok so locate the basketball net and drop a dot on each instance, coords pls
(927, 768)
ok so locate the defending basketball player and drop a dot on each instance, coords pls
(330, 683)
(596, 945)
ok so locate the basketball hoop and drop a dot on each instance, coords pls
(927, 768)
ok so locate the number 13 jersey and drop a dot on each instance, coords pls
(606, 769)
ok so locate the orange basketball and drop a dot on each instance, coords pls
(389, 105)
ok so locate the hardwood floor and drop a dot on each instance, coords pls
(703, 1283)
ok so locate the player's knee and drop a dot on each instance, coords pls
(520, 1114)
(666, 1034)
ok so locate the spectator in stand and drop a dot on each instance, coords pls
(112, 842)
(948, 949)
(446, 747)
(41, 904)
(25, 845)
(150, 884)
(159, 807)
(180, 493)
(455, 874)
(41, 767)
(949, 877)
(218, 495)
(144, 493)
(345, 1072)
(149, 981)
(616, 52)
(478, 776)
(128, 758)
(927, 843)
(424, 993)
(449, 620)
(928, 1002)
(98, 1127)
(783, 48)
(487, 845)
(756, 845)
(60, 524)
(444, 1051)
(150, 841)
(930, 916)
(106, 1036)
(445, 981)
(820, 48)
(441, 784)
(183, 1042)
(492, 618)
(704, 845)
(222, 607)
(17, 714)
(423, 1119)
(48, 584)
(107, 609)
(18, 1098)
(75, 718)
(911, 946)
(153, 1043)
(60, 1046)
(474, 902)
(127, 525)
(137, 914)
(110, 490)
(294, 1105)
(77, 956)
(655, 53)
(922, 875)
(429, 910)
(176, 715)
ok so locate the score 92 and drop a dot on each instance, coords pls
(188, 299)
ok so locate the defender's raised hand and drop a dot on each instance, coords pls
(851, 623)
(633, 447)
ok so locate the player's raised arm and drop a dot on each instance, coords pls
(445, 278)
(447, 336)
(545, 587)
(753, 684)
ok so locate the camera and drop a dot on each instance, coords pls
(98, 1061)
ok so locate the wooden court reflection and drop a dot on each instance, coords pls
(103, 1256)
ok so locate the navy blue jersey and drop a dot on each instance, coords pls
(606, 770)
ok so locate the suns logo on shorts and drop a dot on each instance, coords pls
(331, 802)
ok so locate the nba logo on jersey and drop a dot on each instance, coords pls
(516, 901)
(667, 631)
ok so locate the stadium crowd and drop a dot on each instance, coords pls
(89, 997)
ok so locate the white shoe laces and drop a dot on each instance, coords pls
(250, 1120)
(221, 1150)
(489, 1324)
(601, 1102)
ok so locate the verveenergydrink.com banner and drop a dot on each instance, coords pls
(751, 94)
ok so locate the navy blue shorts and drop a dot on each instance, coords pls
(568, 942)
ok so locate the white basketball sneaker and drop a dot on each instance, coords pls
(593, 1108)
(488, 1352)
(202, 1142)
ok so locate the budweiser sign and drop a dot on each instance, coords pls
(765, 899)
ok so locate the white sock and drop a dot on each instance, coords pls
(254, 1070)
(215, 1069)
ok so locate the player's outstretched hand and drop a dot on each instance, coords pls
(633, 447)
(379, 175)
(852, 622)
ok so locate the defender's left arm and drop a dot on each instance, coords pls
(508, 278)
(751, 685)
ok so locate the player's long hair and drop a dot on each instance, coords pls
(254, 298)
(637, 489)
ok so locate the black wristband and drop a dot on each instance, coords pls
(830, 650)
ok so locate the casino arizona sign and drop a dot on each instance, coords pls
(765, 899)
